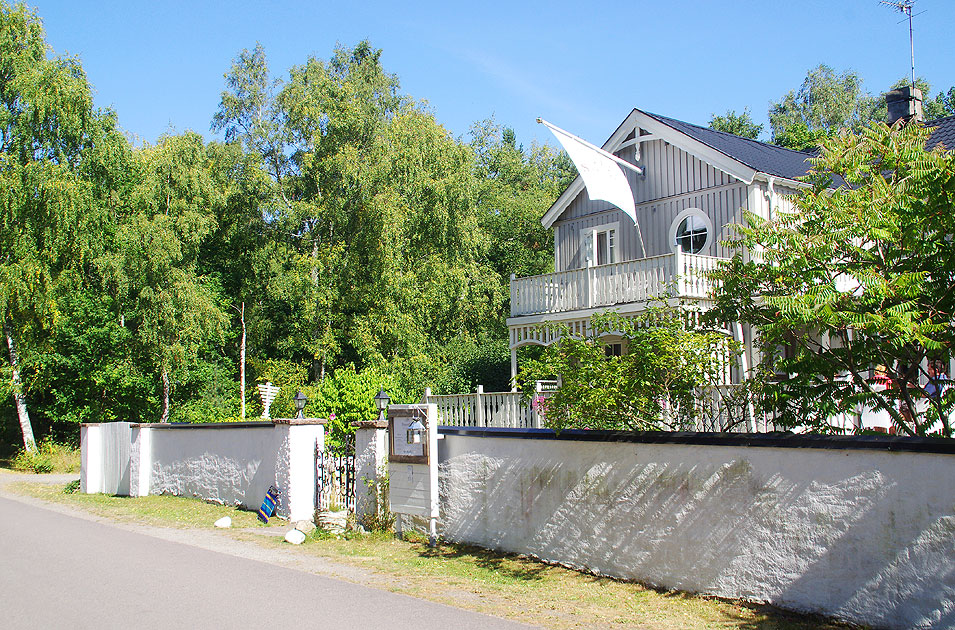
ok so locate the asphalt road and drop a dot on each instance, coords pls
(59, 571)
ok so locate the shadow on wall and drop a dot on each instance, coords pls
(839, 533)
(216, 466)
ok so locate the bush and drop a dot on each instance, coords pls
(653, 386)
(474, 362)
(349, 395)
(49, 457)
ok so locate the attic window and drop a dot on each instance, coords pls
(691, 231)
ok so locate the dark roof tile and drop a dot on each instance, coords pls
(765, 158)
(943, 133)
(781, 162)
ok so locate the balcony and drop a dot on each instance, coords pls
(672, 275)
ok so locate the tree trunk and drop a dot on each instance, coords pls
(165, 397)
(26, 428)
(242, 364)
(317, 368)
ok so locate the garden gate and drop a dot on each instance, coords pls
(335, 477)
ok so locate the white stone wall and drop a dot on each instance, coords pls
(237, 466)
(864, 535)
(104, 458)
(91, 456)
(228, 464)
(371, 458)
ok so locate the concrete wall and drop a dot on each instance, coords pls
(371, 460)
(232, 464)
(104, 458)
(864, 534)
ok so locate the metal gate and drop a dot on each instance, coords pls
(335, 475)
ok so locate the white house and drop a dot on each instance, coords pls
(696, 184)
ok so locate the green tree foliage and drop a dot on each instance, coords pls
(828, 103)
(653, 386)
(90, 371)
(376, 205)
(853, 282)
(473, 362)
(942, 105)
(48, 214)
(825, 104)
(736, 124)
(348, 397)
(152, 269)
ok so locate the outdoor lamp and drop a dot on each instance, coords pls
(300, 401)
(381, 401)
(415, 432)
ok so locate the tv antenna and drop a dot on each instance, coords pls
(905, 6)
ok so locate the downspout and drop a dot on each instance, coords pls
(772, 195)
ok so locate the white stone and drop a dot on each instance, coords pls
(295, 537)
(224, 522)
(333, 522)
(306, 527)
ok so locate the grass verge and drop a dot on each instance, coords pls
(505, 585)
(49, 457)
(166, 511)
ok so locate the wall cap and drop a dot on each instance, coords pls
(370, 424)
(300, 421)
(778, 439)
(257, 424)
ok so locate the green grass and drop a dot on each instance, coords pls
(49, 457)
(505, 585)
(169, 511)
(527, 590)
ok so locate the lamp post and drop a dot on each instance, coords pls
(381, 401)
(300, 401)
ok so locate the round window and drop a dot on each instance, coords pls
(691, 231)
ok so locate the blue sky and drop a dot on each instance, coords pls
(160, 65)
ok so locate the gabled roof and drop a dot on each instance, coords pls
(740, 157)
(760, 156)
(943, 133)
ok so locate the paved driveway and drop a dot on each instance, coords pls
(60, 571)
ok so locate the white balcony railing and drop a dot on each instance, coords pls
(490, 409)
(671, 275)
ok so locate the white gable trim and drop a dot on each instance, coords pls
(660, 131)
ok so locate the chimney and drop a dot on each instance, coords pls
(904, 103)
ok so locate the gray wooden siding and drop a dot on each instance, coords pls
(675, 180)
(784, 197)
(669, 172)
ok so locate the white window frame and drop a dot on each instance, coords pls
(588, 243)
(696, 212)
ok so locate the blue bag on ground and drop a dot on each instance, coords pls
(268, 504)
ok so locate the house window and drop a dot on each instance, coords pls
(606, 247)
(598, 245)
(691, 231)
(613, 349)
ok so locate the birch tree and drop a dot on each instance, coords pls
(47, 209)
(153, 269)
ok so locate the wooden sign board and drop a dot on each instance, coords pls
(400, 450)
(413, 468)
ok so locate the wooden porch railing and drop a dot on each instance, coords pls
(671, 275)
(489, 409)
